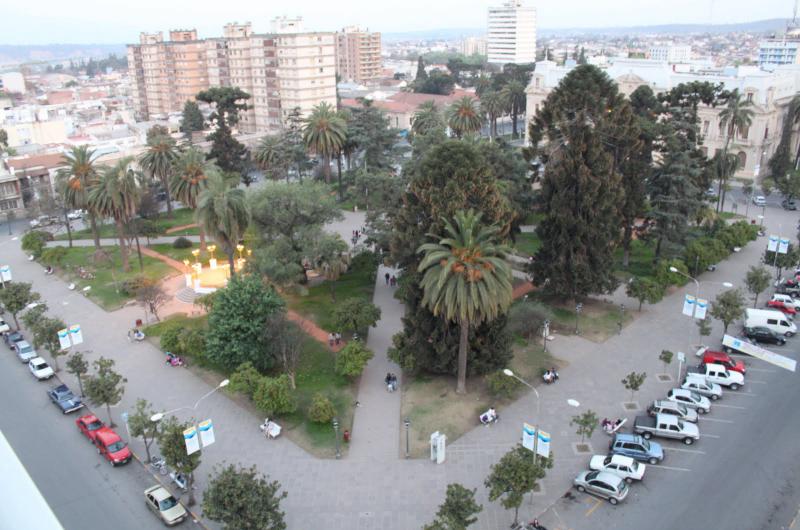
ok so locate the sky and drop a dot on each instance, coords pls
(96, 21)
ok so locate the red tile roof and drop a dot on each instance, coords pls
(59, 97)
(48, 161)
(410, 101)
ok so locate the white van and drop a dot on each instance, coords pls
(771, 319)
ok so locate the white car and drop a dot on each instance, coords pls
(693, 400)
(759, 200)
(40, 369)
(787, 300)
(622, 466)
(3, 326)
(25, 351)
(75, 214)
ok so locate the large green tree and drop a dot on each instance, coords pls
(243, 499)
(458, 510)
(371, 132)
(189, 178)
(157, 162)
(324, 134)
(514, 475)
(466, 279)
(192, 119)
(464, 117)
(172, 443)
(492, 105)
(236, 323)
(427, 117)
(273, 157)
(105, 386)
(16, 296)
(515, 98)
(77, 177)
(735, 117)
(228, 153)
(223, 213)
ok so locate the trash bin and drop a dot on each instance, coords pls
(346, 436)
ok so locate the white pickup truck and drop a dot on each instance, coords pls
(716, 373)
(666, 426)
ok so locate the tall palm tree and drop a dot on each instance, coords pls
(189, 176)
(515, 98)
(492, 106)
(272, 156)
(466, 278)
(482, 84)
(222, 212)
(794, 115)
(116, 194)
(463, 117)
(324, 133)
(78, 177)
(157, 161)
(427, 118)
(735, 117)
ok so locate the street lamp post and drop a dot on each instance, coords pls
(407, 423)
(578, 308)
(621, 317)
(697, 289)
(545, 333)
(509, 373)
(336, 436)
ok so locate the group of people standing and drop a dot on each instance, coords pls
(334, 339)
(391, 279)
(391, 382)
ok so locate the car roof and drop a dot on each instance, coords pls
(627, 437)
(681, 392)
(609, 478)
(622, 459)
(38, 360)
(22, 343)
(61, 388)
(158, 492)
(88, 418)
(107, 435)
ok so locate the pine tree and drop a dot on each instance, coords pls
(422, 75)
(192, 118)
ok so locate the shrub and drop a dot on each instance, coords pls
(171, 340)
(182, 242)
(246, 379)
(501, 385)
(131, 286)
(666, 277)
(274, 396)
(193, 343)
(352, 359)
(702, 252)
(527, 318)
(321, 409)
(53, 255)
(34, 241)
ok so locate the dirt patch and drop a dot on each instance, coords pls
(598, 319)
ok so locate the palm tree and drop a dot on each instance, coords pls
(427, 118)
(271, 156)
(515, 98)
(492, 106)
(735, 117)
(79, 175)
(463, 117)
(482, 84)
(188, 179)
(116, 194)
(794, 115)
(157, 161)
(324, 133)
(222, 212)
(466, 278)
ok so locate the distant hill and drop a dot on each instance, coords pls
(13, 55)
(759, 26)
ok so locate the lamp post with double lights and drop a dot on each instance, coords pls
(727, 285)
(336, 434)
(407, 423)
(578, 308)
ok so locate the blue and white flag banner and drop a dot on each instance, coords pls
(75, 334)
(192, 441)
(5, 273)
(688, 305)
(772, 244)
(702, 309)
(783, 246)
(543, 444)
(528, 436)
(206, 429)
(63, 338)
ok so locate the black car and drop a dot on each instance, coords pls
(12, 338)
(762, 334)
(63, 397)
(789, 204)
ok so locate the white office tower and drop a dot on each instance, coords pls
(511, 35)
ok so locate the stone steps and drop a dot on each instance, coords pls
(186, 295)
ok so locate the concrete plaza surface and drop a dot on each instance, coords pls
(374, 487)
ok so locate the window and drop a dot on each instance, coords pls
(749, 97)
(744, 132)
(706, 123)
(771, 321)
(321, 70)
(742, 159)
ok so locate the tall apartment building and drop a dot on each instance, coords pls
(511, 35)
(281, 70)
(670, 53)
(473, 45)
(358, 55)
(782, 49)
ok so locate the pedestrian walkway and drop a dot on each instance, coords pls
(175, 264)
(376, 423)
(175, 229)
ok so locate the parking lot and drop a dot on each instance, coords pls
(726, 477)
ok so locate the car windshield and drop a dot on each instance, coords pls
(25, 349)
(682, 409)
(646, 445)
(167, 503)
(695, 396)
(41, 366)
(96, 424)
(116, 446)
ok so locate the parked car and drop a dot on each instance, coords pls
(40, 369)
(770, 319)
(4, 328)
(665, 406)
(75, 214)
(716, 373)
(24, 351)
(89, 425)
(718, 357)
(765, 335)
(636, 447)
(111, 446)
(759, 200)
(787, 300)
(43, 220)
(697, 383)
(13, 338)
(64, 399)
(622, 466)
(784, 308)
(692, 400)
(789, 204)
(666, 426)
(163, 504)
(603, 484)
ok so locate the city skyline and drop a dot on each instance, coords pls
(90, 21)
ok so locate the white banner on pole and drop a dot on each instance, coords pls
(688, 305)
(702, 308)
(206, 429)
(543, 445)
(192, 442)
(783, 246)
(5, 273)
(528, 436)
(63, 338)
(75, 334)
(772, 244)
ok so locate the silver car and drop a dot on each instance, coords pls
(665, 406)
(603, 484)
(692, 400)
(25, 351)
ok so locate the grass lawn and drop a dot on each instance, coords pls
(182, 216)
(108, 276)
(430, 402)
(314, 374)
(527, 243)
(598, 319)
(358, 282)
(730, 215)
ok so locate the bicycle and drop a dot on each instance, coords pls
(160, 464)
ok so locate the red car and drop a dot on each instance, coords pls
(89, 425)
(780, 306)
(717, 357)
(111, 446)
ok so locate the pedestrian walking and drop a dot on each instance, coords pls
(388, 277)
(393, 281)
(331, 339)
(338, 338)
